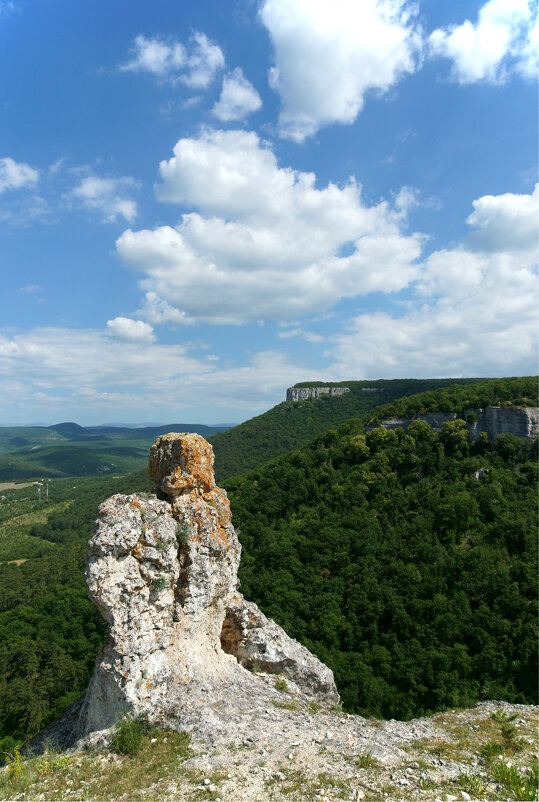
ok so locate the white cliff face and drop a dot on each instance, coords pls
(163, 573)
(304, 393)
(519, 421)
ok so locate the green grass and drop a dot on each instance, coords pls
(292, 705)
(516, 784)
(367, 761)
(158, 754)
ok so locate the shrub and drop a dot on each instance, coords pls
(366, 761)
(160, 583)
(182, 532)
(129, 733)
(15, 762)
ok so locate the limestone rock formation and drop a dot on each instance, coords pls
(304, 393)
(434, 419)
(519, 421)
(256, 641)
(162, 570)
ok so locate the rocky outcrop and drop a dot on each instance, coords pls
(162, 570)
(434, 419)
(519, 421)
(258, 643)
(304, 393)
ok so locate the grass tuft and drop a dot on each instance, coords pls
(366, 761)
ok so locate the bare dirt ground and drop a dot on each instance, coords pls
(15, 485)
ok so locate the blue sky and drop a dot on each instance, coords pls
(203, 203)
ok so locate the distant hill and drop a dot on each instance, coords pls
(290, 425)
(67, 429)
(67, 449)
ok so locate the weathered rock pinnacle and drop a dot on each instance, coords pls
(162, 570)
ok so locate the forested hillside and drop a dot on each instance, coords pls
(518, 391)
(408, 575)
(30, 527)
(291, 425)
(383, 553)
(50, 632)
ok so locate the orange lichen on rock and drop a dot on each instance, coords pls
(181, 462)
(209, 529)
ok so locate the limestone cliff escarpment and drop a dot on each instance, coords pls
(518, 421)
(304, 393)
(434, 419)
(162, 570)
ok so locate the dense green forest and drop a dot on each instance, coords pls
(413, 579)
(50, 632)
(291, 425)
(386, 556)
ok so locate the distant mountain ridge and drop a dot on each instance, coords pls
(68, 449)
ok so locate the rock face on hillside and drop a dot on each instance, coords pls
(519, 421)
(162, 570)
(304, 393)
(434, 419)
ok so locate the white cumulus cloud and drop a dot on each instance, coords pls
(506, 222)
(505, 35)
(474, 310)
(265, 242)
(194, 64)
(125, 328)
(238, 98)
(107, 196)
(205, 60)
(330, 53)
(16, 175)
(309, 336)
(155, 56)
